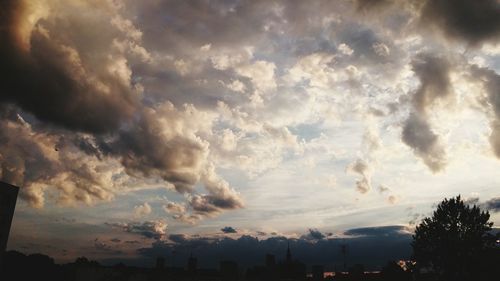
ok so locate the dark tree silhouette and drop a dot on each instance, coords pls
(452, 243)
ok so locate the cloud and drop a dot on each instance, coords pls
(492, 205)
(220, 197)
(381, 49)
(433, 73)
(84, 87)
(378, 231)
(473, 22)
(163, 143)
(393, 199)
(418, 135)
(148, 229)
(174, 208)
(471, 201)
(261, 73)
(80, 126)
(315, 69)
(371, 139)
(345, 49)
(361, 168)
(103, 247)
(220, 194)
(87, 169)
(37, 161)
(228, 229)
(490, 81)
(313, 235)
(469, 21)
(382, 188)
(142, 210)
(363, 5)
(495, 137)
(73, 88)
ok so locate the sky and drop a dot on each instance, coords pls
(227, 128)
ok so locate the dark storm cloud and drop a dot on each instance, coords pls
(49, 78)
(372, 248)
(472, 21)
(228, 229)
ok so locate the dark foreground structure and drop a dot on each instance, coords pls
(20, 267)
(8, 197)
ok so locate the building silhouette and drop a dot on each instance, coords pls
(8, 197)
